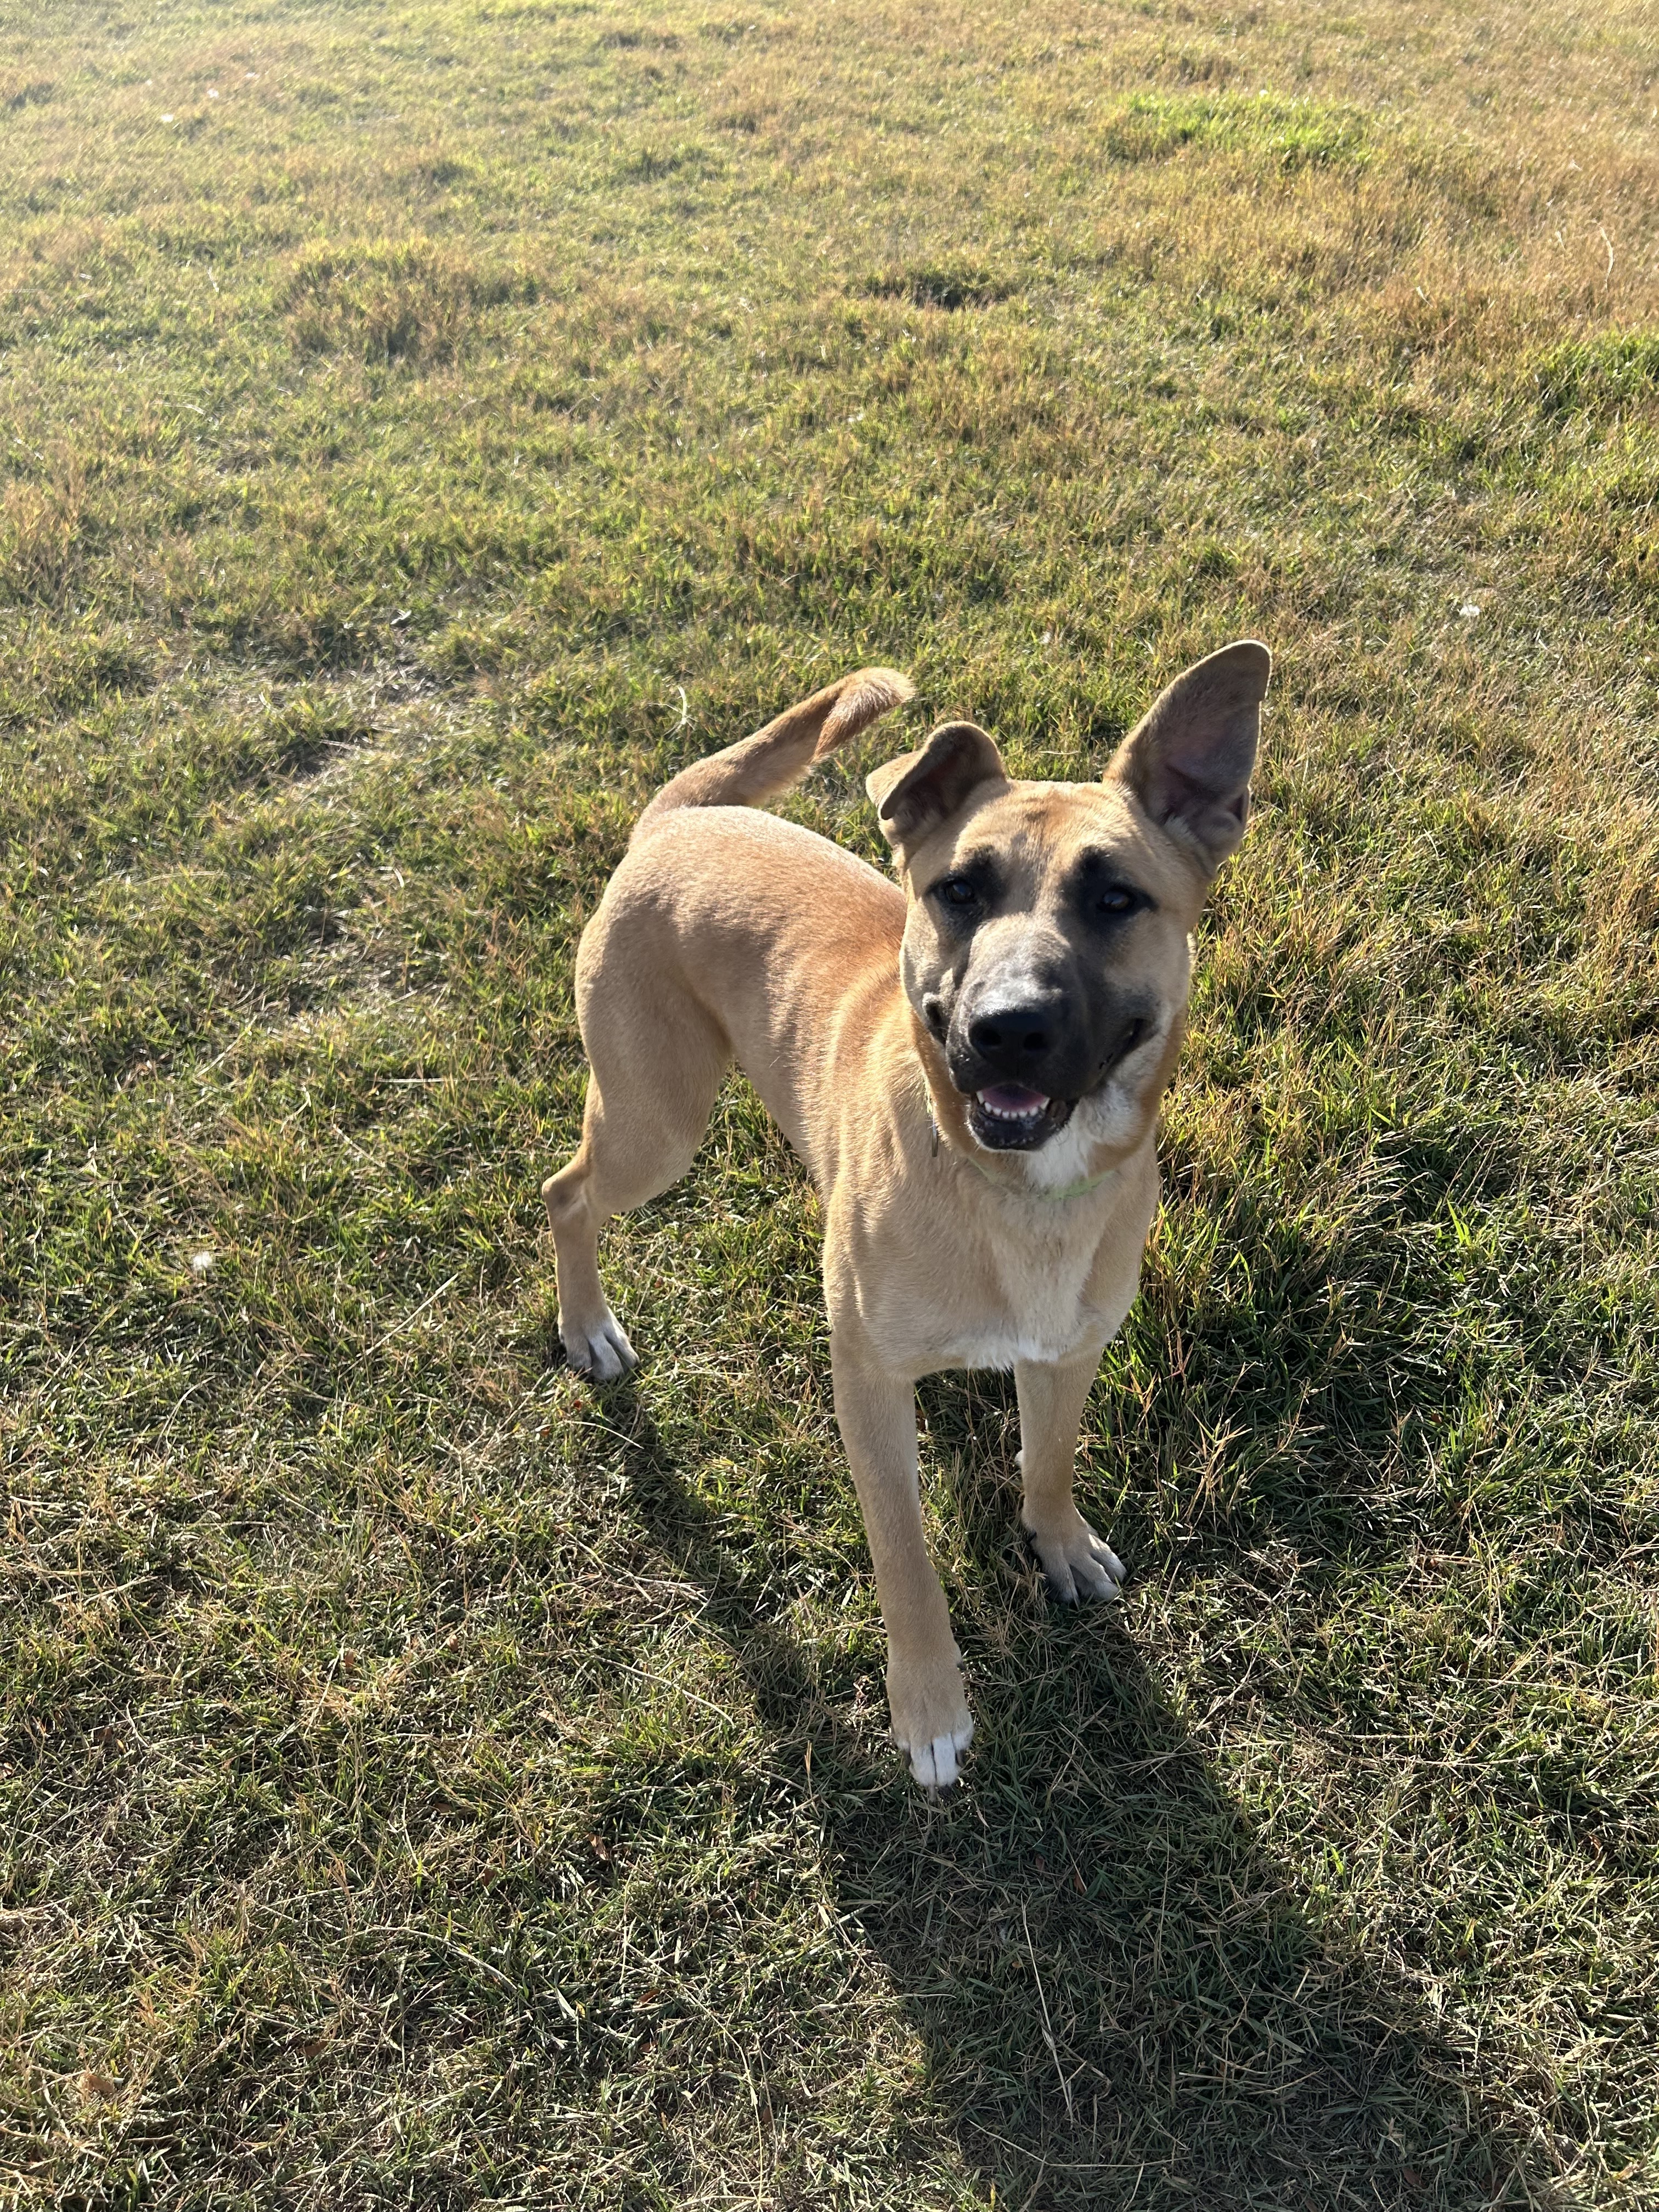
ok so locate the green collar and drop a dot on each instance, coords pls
(1046, 1197)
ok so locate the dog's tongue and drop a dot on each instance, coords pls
(1011, 1099)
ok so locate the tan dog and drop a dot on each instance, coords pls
(970, 1069)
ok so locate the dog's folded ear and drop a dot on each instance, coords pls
(917, 791)
(1189, 759)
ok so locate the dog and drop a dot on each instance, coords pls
(969, 1062)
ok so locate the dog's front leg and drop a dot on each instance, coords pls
(1051, 1403)
(876, 1412)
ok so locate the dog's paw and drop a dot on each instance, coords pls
(600, 1350)
(1078, 1563)
(932, 1724)
(937, 1764)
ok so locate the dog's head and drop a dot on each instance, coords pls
(1046, 951)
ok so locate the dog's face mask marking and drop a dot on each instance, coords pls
(1046, 951)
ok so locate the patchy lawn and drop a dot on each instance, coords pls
(428, 1782)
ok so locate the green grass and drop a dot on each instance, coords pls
(426, 1781)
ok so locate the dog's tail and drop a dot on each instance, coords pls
(757, 769)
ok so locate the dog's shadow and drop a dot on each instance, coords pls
(1122, 1998)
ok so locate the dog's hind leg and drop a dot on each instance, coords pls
(655, 1066)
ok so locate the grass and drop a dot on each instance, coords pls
(425, 1782)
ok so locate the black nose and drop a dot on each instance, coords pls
(1013, 1036)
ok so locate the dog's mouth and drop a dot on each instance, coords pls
(1005, 1117)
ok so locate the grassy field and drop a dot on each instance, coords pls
(426, 1781)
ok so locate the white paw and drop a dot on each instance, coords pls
(600, 1350)
(932, 1724)
(937, 1764)
(1078, 1563)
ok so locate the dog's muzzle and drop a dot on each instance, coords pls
(1023, 1069)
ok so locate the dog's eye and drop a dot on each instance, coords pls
(1116, 901)
(955, 890)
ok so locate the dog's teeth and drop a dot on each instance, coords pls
(1013, 1113)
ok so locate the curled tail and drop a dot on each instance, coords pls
(757, 769)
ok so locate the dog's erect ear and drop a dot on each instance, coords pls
(917, 791)
(1189, 759)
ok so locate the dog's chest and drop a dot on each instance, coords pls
(1038, 1308)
